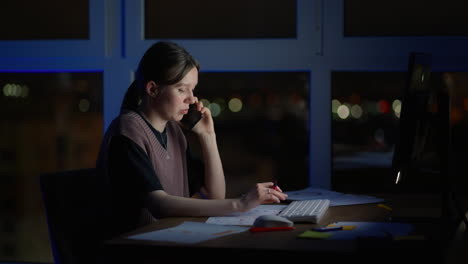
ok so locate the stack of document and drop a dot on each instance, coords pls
(336, 198)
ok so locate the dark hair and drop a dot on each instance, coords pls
(165, 63)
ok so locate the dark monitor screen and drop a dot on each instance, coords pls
(416, 150)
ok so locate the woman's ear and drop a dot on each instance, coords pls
(152, 89)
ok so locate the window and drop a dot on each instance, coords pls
(49, 122)
(365, 111)
(405, 18)
(47, 19)
(262, 126)
(220, 19)
(365, 116)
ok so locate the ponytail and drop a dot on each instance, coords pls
(165, 63)
(131, 99)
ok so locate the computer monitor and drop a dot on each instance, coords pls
(412, 150)
(421, 159)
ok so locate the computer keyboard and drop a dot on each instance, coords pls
(306, 210)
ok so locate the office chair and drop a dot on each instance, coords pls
(75, 212)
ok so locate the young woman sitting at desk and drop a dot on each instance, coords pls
(144, 154)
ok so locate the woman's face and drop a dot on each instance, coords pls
(174, 100)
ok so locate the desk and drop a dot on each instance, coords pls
(283, 245)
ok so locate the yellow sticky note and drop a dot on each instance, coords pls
(385, 207)
(314, 235)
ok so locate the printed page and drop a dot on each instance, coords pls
(190, 232)
(247, 218)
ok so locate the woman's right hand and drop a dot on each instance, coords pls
(262, 193)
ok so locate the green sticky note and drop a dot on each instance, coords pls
(314, 235)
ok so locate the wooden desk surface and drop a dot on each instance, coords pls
(280, 245)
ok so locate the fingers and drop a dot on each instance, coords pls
(270, 198)
(260, 194)
(275, 187)
(200, 107)
(277, 195)
(271, 194)
(199, 104)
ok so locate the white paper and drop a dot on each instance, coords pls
(190, 232)
(336, 198)
(246, 218)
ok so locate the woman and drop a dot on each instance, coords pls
(144, 153)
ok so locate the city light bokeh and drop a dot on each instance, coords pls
(366, 109)
(50, 121)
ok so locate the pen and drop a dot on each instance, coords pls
(333, 227)
(265, 229)
(275, 186)
(324, 229)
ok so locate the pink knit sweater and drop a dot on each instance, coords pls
(170, 164)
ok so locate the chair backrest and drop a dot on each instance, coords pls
(75, 205)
